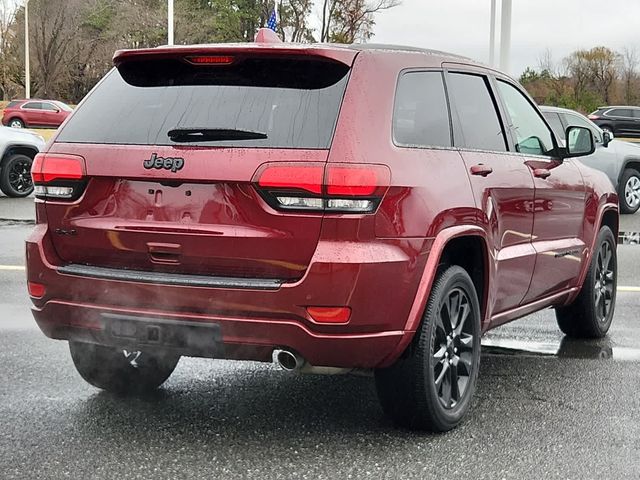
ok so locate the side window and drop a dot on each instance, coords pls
(33, 105)
(576, 121)
(533, 137)
(556, 125)
(421, 116)
(620, 112)
(476, 113)
(636, 113)
(49, 107)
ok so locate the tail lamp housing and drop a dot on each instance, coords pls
(320, 187)
(57, 176)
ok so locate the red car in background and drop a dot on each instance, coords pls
(35, 113)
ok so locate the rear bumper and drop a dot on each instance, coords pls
(377, 280)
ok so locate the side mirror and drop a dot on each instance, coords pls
(580, 142)
(606, 138)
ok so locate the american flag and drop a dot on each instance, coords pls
(272, 23)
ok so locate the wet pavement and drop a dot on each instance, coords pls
(546, 408)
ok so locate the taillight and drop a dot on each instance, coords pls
(58, 176)
(331, 188)
(594, 117)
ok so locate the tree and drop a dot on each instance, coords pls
(629, 65)
(348, 21)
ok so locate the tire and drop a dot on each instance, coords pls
(607, 128)
(407, 390)
(591, 313)
(121, 371)
(15, 176)
(629, 191)
(16, 123)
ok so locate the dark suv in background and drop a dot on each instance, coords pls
(324, 207)
(621, 121)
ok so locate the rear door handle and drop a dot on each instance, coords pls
(541, 173)
(481, 170)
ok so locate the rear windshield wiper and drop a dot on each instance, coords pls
(195, 134)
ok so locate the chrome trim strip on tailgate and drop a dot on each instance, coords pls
(176, 279)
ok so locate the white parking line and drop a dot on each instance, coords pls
(19, 268)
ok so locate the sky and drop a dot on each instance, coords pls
(462, 27)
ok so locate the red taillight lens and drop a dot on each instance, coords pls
(58, 176)
(353, 181)
(36, 290)
(594, 117)
(293, 177)
(211, 60)
(344, 188)
(329, 314)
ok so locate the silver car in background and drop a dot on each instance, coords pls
(17, 150)
(619, 160)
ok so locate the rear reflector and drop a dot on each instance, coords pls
(337, 188)
(211, 60)
(36, 290)
(329, 314)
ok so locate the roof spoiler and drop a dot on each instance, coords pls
(266, 35)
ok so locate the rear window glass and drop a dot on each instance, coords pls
(421, 115)
(13, 104)
(289, 103)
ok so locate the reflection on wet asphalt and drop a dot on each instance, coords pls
(601, 349)
(546, 408)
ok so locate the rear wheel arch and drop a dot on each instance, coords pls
(632, 163)
(470, 252)
(611, 219)
(28, 151)
(450, 245)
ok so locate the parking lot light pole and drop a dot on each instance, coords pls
(492, 35)
(170, 22)
(505, 36)
(27, 73)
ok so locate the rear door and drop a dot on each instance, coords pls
(33, 113)
(502, 185)
(188, 202)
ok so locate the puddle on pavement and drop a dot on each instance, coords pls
(603, 349)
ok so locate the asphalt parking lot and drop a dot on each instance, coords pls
(545, 408)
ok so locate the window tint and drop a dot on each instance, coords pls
(477, 118)
(620, 112)
(577, 121)
(13, 104)
(295, 104)
(533, 137)
(33, 105)
(421, 116)
(636, 113)
(556, 125)
(49, 107)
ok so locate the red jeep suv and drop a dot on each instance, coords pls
(328, 208)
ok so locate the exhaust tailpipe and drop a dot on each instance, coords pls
(292, 362)
(288, 360)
